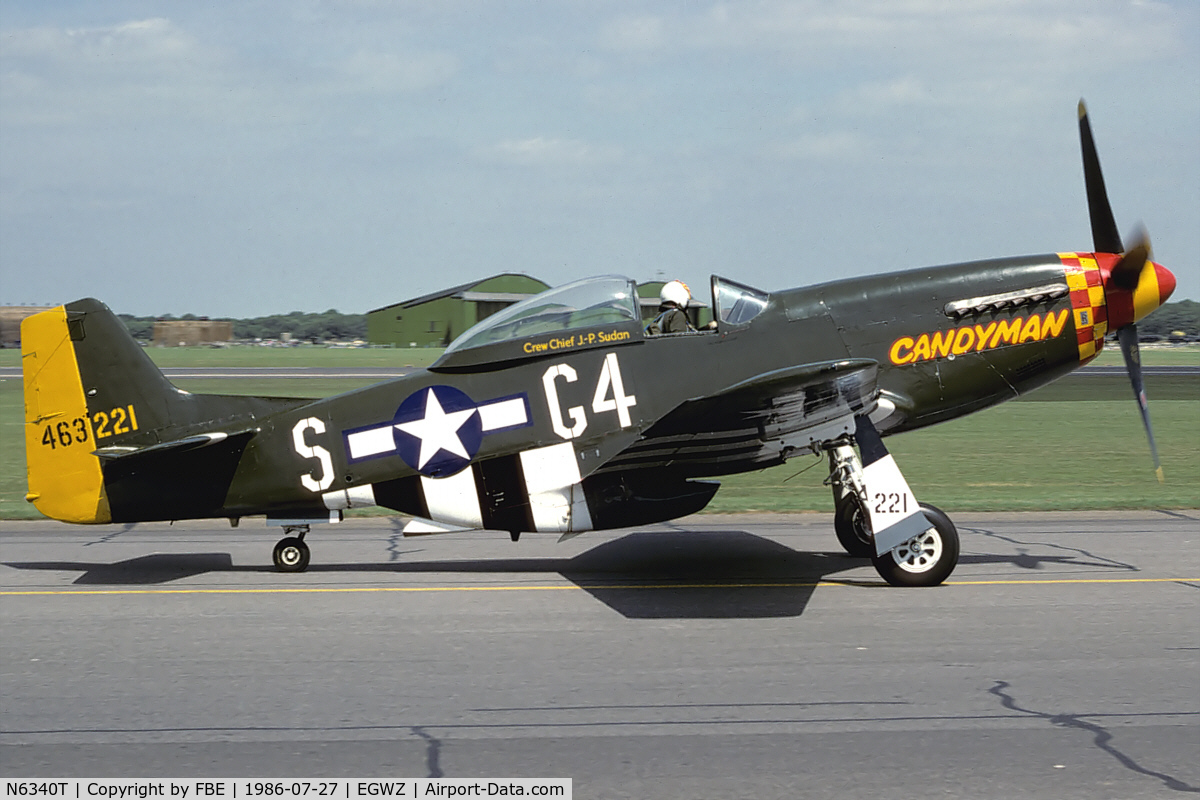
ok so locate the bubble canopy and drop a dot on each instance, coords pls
(587, 303)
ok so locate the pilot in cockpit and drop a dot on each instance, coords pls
(672, 317)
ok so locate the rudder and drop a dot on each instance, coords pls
(64, 475)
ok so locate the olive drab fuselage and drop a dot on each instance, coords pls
(590, 424)
(303, 452)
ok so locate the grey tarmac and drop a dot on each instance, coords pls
(716, 656)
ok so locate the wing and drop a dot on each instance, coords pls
(744, 426)
(758, 422)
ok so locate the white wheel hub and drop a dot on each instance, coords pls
(920, 553)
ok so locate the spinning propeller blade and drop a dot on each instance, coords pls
(1105, 236)
(1128, 337)
(1135, 283)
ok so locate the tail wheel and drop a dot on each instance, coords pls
(927, 559)
(291, 555)
(853, 532)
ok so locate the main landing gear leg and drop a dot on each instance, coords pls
(291, 553)
(910, 544)
(850, 518)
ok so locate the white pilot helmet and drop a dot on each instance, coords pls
(676, 292)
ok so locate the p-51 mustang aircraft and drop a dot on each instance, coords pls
(560, 414)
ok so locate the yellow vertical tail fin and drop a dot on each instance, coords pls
(65, 479)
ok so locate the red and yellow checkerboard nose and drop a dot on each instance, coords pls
(1155, 284)
(1089, 309)
(1098, 305)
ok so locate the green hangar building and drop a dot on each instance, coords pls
(436, 319)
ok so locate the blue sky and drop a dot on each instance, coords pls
(260, 157)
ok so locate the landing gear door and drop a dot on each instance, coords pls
(894, 512)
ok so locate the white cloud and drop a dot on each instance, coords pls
(154, 69)
(962, 33)
(543, 151)
(130, 70)
(151, 42)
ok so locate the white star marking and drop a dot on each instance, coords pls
(438, 430)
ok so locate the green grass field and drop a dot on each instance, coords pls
(1156, 355)
(1022, 456)
(1075, 444)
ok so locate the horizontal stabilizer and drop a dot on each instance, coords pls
(177, 446)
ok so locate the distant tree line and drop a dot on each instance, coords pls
(325, 326)
(1183, 316)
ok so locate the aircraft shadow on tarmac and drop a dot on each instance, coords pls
(708, 574)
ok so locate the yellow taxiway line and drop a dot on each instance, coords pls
(571, 587)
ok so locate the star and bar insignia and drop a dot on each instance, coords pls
(437, 430)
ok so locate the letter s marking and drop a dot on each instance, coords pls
(308, 480)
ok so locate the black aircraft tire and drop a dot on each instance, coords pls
(291, 555)
(924, 560)
(850, 525)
